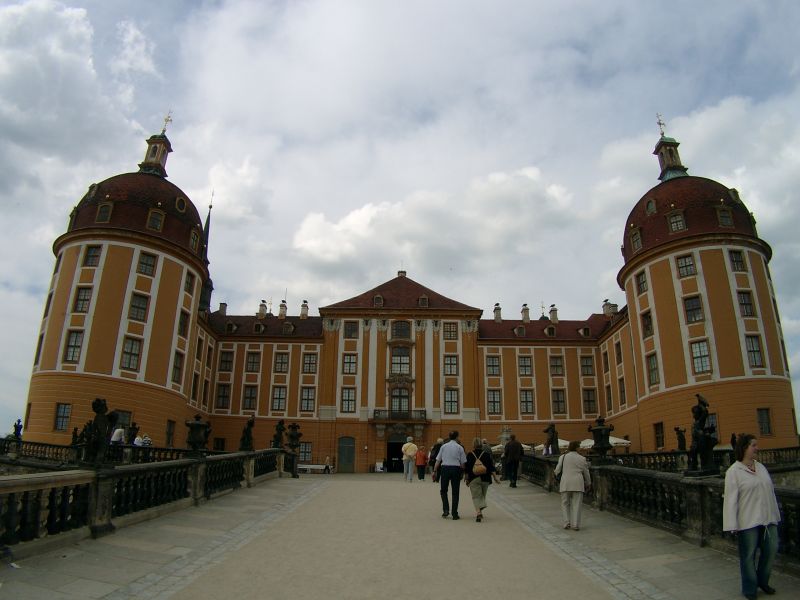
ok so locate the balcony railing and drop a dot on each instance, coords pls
(399, 415)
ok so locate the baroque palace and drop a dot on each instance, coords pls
(128, 318)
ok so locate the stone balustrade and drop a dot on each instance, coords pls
(37, 507)
(687, 506)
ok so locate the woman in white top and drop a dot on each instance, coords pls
(751, 511)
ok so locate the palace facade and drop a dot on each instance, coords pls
(128, 318)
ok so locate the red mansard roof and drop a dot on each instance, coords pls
(400, 293)
(565, 331)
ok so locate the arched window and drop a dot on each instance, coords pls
(155, 220)
(103, 213)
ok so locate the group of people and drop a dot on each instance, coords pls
(118, 438)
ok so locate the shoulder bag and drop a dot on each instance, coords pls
(478, 468)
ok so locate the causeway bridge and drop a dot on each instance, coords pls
(238, 525)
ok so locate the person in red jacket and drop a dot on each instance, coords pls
(421, 461)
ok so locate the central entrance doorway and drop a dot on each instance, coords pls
(394, 453)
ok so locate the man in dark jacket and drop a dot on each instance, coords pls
(513, 453)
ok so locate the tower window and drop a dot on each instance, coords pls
(177, 367)
(180, 204)
(72, 349)
(590, 401)
(647, 324)
(91, 257)
(183, 323)
(685, 266)
(153, 152)
(746, 304)
(764, 424)
(725, 217)
(155, 220)
(138, 308)
(701, 361)
(641, 282)
(652, 369)
(188, 285)
(83, 298)
(147, 264)
(676, 222)
(62, 416)
(636, 240)
(693, 308)
(493, 402)
(754, 356)
(103, 213)
(737, 260)
(650, 207)
(194, 240)
(131, 352)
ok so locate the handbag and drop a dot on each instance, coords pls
(478, 468)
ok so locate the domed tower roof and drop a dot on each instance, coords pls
(683, 206)
(144, 202)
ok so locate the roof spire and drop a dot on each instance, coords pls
(167, 121)
(661, 123)
(207, 228)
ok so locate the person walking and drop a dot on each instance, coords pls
(409, 455)
(432, 458)
(750, 510)
(421, 460)
(513, 453)
(449, 465)
(575, 480)
(327, 467)
(479, 474)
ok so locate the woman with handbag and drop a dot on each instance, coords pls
(480, 471)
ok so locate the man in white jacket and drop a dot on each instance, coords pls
(750, 509)
(575, 480)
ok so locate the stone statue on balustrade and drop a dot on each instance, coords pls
(294, 436)
(277, 439)
(199, 430)
(98, 431)
(75, 437)
(701, 452)
(681, 435)
(551, 443)
(18, 430)
(600, 434)
(246, 441)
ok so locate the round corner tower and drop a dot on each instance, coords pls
(702, 308)
(121, 316)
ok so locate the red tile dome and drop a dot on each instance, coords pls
(127, 202)
(685, 207)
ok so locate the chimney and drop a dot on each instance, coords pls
(497, 317)
(609, 309)
(553, 314)
(304, 310)
(262, 309)
(282, 310)
(223, 308)
(401, 273)
(526, 314)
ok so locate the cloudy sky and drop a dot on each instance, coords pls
(491, 149)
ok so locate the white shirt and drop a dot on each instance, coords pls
(749, 498)
(118, 435)
(451, 454)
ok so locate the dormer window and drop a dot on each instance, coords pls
(584, 331)
(676, 222)
(258, 328)
(423, 302)
(636, 240)
(194, 240)
(288, 328)
(377, 301)
(650, 208)
(550, 331)
(230, 328)
(725, 217)
(519, 331)
(103, 213)
(155, 220)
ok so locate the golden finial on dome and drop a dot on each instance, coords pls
(167, 121)
(661, 123)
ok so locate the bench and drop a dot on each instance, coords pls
(312, 468)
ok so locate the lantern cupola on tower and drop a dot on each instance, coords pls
(668, 158)
(158, 147)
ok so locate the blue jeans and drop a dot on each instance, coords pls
(751, 540)
(408, 470)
